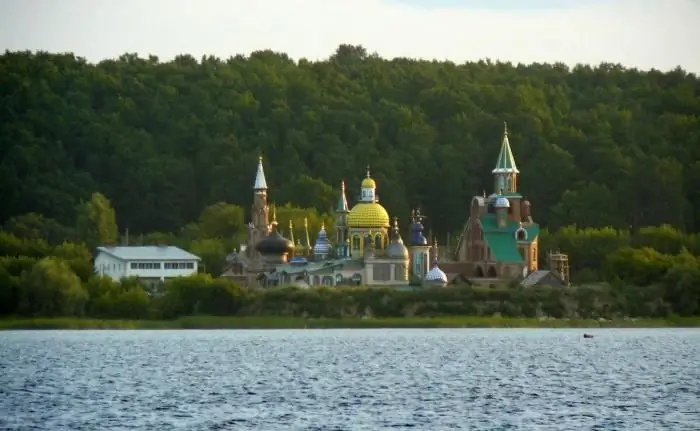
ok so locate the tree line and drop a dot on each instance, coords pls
(139, 151)
(597, 146)
(46, 269)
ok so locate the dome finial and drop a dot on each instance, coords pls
(368, 172)
(274, 215)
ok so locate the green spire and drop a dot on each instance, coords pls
(342, 206)
(506, 161)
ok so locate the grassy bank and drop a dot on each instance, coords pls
(277, 322)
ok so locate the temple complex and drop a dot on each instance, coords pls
(499, 242)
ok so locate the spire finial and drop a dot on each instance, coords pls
(368, 172)
(484, 192)
(342, 185)
(505, 128)
(323, 225)
(306, 222)
(274, 215)
(260, 158)
(291, 225)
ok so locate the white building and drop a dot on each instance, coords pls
(151, 263)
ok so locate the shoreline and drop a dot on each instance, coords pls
(277, 322)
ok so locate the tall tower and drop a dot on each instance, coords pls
(506, 172)
(418, 247)
(341, 224)
(260, 208)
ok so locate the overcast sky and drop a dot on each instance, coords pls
(638, 33)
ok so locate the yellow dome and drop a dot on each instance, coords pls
(368, 183)
(368, 214)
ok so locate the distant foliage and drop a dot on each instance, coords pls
(597, 146)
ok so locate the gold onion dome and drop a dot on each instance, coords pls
(368, 183)
(368, 215)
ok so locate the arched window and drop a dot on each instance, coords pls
(355, 242)
(478, 272)
(378, 243)
(521, 234)
(492, 272)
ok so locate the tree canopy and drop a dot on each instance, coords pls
(597, 146)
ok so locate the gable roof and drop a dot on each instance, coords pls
(148, 252)
(537, 277)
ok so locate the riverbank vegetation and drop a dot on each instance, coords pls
(139, 151)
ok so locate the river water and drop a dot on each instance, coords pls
(490, 379)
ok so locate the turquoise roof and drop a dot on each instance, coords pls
(502, 242)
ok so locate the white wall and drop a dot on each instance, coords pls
(110, 266)
(116, 269)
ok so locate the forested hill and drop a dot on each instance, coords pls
(596, 146)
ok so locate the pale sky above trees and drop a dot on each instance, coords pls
(636, 33)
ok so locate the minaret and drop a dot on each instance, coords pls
(418, 246)
(308, 238)
(260, 209)
(506, 172)
(341, 225)
(291, 231)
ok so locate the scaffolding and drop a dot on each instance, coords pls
(558, 263)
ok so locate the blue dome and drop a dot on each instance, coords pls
(501, 202)
(322, 246)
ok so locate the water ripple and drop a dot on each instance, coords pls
(350, 380)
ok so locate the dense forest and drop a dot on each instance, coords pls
(139, 151)
(597, 146)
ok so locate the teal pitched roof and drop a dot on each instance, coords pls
(502, 241)
(506, 161)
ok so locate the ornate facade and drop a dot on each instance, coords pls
(500, 238)
(368, 249)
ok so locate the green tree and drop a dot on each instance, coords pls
(52, 289)
(96, 221)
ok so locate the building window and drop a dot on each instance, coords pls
(355, 242)
(133, 265)
(400, 272)
(381, 272)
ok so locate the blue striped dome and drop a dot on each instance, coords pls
(322, 246)
(436, 276)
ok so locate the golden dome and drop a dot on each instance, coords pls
(368, 214)
(368, 183)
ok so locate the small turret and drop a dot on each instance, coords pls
(436, 276)
(396, 248)
(322, 247)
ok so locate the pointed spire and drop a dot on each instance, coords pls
(260, 183)
(342, 206)
(506, 161)
(306, 233)
(274, 216)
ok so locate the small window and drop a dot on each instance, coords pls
(190, 265)
(133, 265)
